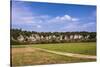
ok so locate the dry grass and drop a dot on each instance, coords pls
(32, 56)
(22, 50)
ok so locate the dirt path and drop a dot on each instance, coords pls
(69, 54)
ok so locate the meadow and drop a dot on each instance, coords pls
(28, 54)
(80, 48)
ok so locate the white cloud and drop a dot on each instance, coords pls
(22, 14)
(39, 26)
(65, 18)
(75, 19)
(78, 26)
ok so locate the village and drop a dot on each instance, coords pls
(47, 37)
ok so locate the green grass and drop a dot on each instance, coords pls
(81, 48)
(24, 55)
(38, 57)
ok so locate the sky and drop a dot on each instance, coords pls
(52, 17)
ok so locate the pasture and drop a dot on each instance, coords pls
(28, 54)
(80, 48)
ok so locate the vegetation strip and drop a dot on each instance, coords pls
(19, 37)
(69, 54)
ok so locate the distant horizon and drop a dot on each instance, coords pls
(52, 17)
(50, 31)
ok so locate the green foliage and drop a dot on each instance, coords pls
(17, 32)
(18, 43)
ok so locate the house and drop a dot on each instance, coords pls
(71, 36)
(20, 38)
(32, 38)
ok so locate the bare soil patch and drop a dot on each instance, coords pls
(23, 50)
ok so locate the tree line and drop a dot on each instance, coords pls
(19, 36)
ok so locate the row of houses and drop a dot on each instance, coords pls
(35, 37)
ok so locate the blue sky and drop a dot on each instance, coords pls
(51, 17)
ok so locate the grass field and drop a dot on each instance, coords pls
(81, 48)
(28, 55)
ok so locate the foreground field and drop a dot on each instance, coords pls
(29, 55)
